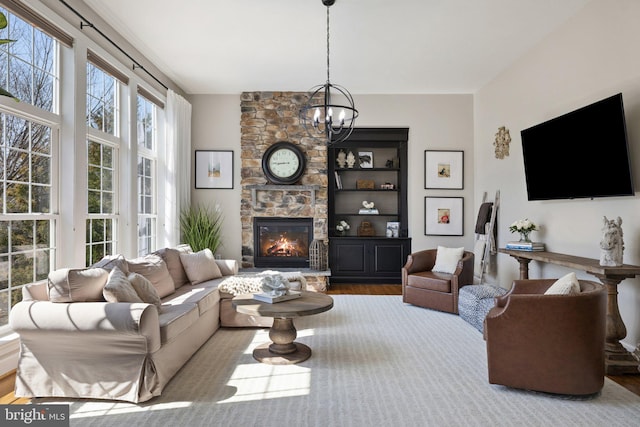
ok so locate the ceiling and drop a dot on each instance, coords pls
(377, 47)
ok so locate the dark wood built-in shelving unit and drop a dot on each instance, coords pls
(376, 258)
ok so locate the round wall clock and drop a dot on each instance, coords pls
(283, 163)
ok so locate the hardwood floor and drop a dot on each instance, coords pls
(630, 382)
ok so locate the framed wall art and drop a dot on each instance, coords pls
(443, 216)
(365, 159)
(443, 169)
(214, 169)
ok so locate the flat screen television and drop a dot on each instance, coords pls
(581, 154)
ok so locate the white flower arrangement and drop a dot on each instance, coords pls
(342, 226)
(368, 205)
(523, 226)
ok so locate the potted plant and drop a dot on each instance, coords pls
(201, 227)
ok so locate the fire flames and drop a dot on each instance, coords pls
(283, 247)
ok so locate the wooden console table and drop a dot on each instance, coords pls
(617, 359)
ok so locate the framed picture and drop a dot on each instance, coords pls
(365, 159)
(443, 169)
(214, 169)
(393, 229)
(443, 216)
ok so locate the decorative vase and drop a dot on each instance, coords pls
(524, 236)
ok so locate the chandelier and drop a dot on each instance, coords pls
(317, 116)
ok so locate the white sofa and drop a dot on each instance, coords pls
(73, 343)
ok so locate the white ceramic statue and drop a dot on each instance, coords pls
(341, 159)
(351, 159)
(611, 244)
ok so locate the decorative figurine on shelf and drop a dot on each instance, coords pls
(341, 159)
(612, 244)
(342, 227)
(368, 208)
(351, 160)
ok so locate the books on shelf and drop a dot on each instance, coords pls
(264, 297)
(338, 180)
(525, 246)
(364, 211)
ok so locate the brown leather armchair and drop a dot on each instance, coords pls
(429, 289)
(548, 343)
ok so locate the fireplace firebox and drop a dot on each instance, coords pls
(282, 242)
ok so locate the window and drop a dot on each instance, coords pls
(27, 65)
(102, 155)
(101, 100)
(100, 201)
(28, 160)
(147, 210)
(26, 222)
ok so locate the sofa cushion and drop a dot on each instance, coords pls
(145, 290)
(205, 295)
(200, 266)
(176, 319)
(566, 285)
(110, 261)
(76, 284)
(447, 259)
(171, 256)
(119, 289)
(155, 270)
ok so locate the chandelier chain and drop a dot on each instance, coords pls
(327, 44)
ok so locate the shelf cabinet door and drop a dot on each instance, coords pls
(349, 258)
(389, 256)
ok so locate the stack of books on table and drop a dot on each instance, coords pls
(525, 246)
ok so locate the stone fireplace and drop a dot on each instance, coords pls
(266, 118)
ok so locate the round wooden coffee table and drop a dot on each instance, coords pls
(283, 350)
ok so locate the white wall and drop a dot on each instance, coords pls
(215, 125)
(589, 58)
(434, 121)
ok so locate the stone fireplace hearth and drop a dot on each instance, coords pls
(266, 118)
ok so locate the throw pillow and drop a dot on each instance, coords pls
(76, 284)
(110, 261)
(119, 289)
(155, 270)
(447, 259)
(566, 285)
(200, 266)
(171, 256)
(144, 289)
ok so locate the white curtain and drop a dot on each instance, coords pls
(178, 167)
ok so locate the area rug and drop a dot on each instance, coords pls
(375, 362)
